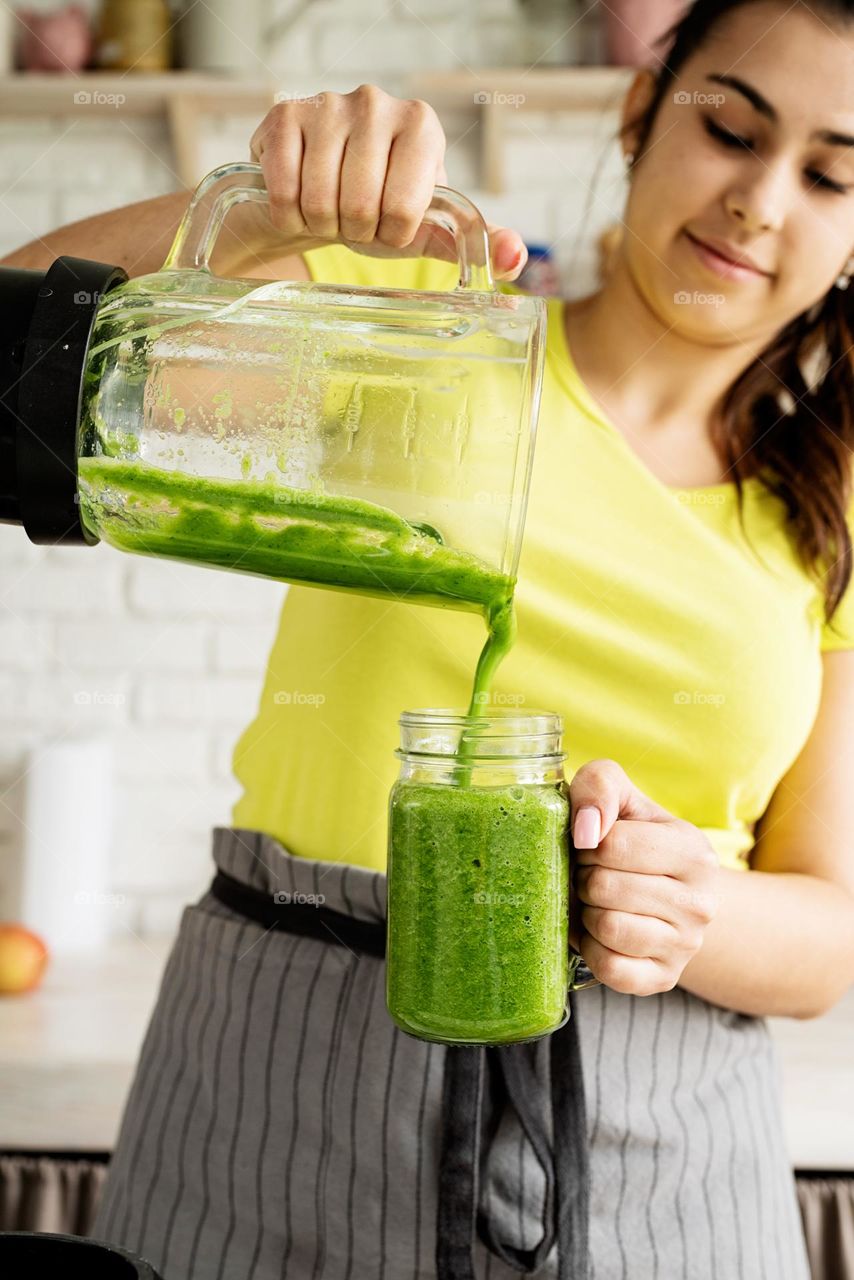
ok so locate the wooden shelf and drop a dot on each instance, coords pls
(36, 93)
(543, 88)
(182, 97)
(492, 92)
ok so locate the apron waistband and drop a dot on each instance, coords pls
(479, 1082)
(274, 911)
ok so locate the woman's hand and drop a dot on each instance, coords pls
(359, 169)
(645, 883)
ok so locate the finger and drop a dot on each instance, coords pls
(363, 172)
(409, 181)
(648, 848)
(574, 925)
(320, 185)
(631, 935)
(280, 153)
(432, 241)
(629, 975)
(508, 252)
(642, 895)
(604, 788)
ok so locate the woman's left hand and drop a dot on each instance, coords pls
(645, 883)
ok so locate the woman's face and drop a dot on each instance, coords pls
(738, 156)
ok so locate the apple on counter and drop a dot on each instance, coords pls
(23, 958)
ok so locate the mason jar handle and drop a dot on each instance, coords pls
(232, 184)
(580, 977)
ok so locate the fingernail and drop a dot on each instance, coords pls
(587, 829)
(514, 262)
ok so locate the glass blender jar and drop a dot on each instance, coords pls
(379, 440)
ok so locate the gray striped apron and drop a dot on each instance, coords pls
(281, 1125)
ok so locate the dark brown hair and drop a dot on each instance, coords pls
(797, 436)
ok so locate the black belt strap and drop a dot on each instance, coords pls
(300, 917)
(478, 1083)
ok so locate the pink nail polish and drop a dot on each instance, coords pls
(588, 828)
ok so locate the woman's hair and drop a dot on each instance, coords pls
(797, 435)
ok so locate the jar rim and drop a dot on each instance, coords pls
(536, 721)
(501, 735)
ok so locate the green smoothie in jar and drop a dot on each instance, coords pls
(478, 878)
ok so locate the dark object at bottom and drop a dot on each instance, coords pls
(28, 1253)
(478, 1083)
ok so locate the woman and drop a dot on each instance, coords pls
(683, 601)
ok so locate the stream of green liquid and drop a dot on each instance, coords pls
(295, 535)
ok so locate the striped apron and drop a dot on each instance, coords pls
(281, 1125)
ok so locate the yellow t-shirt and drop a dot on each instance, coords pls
(644, 618)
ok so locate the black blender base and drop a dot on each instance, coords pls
(45, 331)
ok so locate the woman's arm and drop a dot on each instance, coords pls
(781, 945)
(782, 940)
(136, 237)
(659, 911)
(139, 236)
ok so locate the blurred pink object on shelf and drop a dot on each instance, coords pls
(633, 29)
(58, 41)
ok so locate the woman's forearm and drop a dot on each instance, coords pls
(780, 944)
(139, 236)
(136, 237)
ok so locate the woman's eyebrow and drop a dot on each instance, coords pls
(764, 107)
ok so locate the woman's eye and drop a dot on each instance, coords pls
(822, 180)
(735, 141)
(723, 135)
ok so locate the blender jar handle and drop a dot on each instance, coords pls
(231, 184)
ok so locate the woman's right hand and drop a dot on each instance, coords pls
(359, 169)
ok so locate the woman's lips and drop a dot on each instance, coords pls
(721, 266)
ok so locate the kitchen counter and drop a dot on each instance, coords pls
(67, 1053)
(67, 1050)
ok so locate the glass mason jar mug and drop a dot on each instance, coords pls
(478, 879)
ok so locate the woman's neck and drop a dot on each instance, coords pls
(649, 378)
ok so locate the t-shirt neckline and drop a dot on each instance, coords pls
(571, 381)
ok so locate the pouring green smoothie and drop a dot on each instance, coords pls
(294, 535)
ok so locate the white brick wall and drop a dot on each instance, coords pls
(168, 659)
